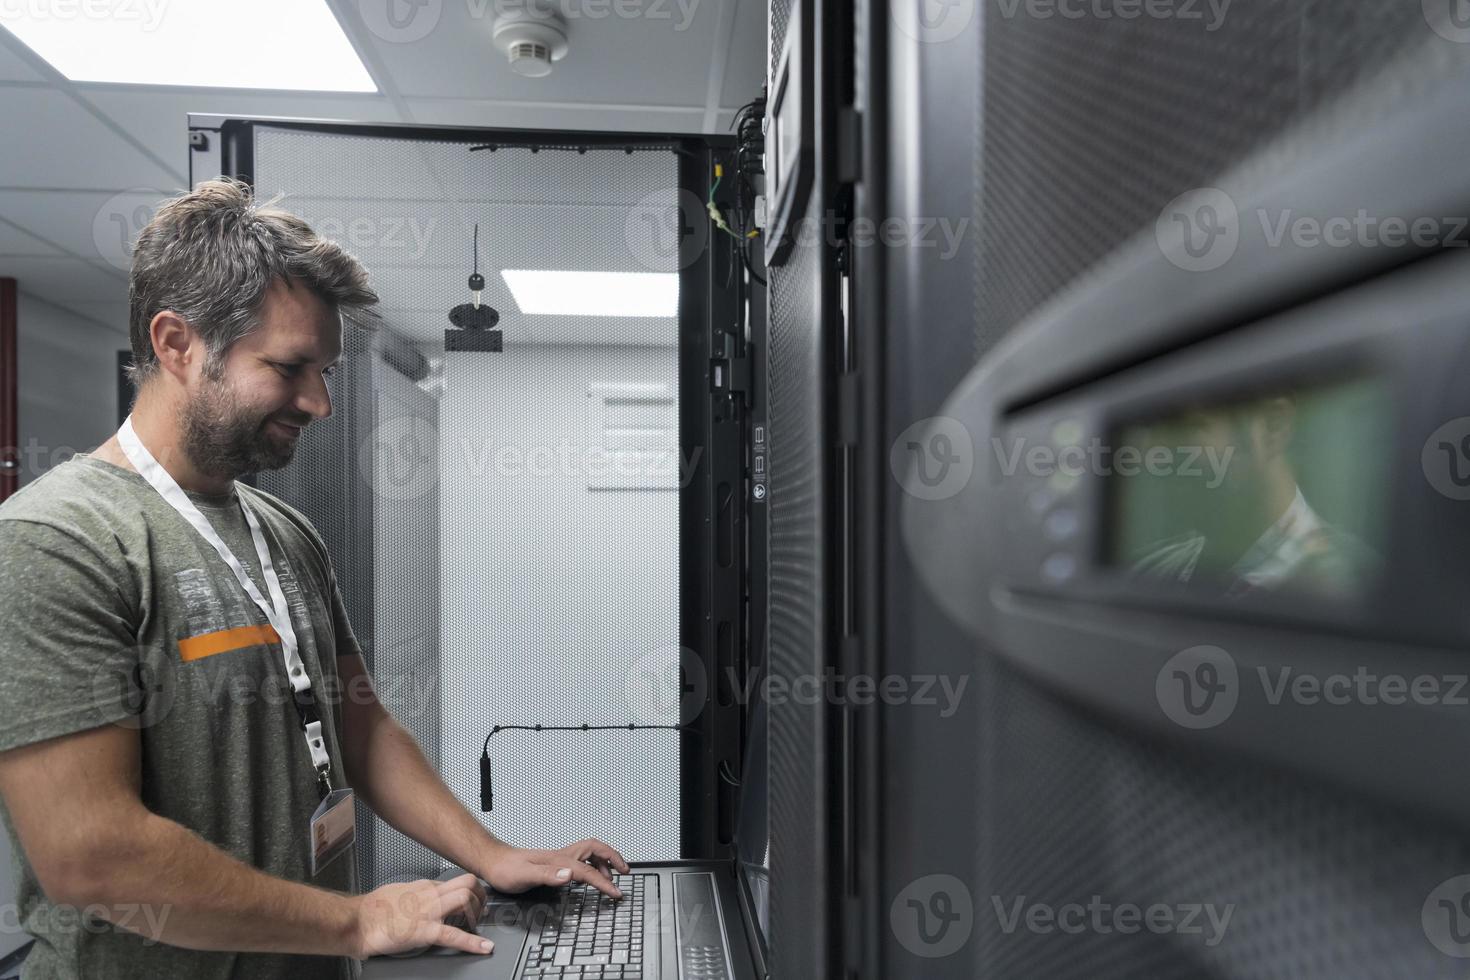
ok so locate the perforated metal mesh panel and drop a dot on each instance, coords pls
(491, 575)
(796, 615)
(407, 594)
(1090, 128)
(797, 369)
(780, 13)
(1317, 883)
(560, 601)
(327, 484)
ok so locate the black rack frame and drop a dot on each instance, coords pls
(714, 554)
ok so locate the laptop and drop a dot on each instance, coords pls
(684, 920)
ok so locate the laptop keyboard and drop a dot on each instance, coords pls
(592, 937)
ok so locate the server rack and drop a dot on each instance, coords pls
(1063, 140)
(714, 554)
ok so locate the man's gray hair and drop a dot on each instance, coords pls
(210, 256)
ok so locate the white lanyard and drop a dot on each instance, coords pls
(277, 611)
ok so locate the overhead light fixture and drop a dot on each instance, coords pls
(563, 293)
(266, 44)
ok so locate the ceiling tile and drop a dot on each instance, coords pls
(98, 226)
(77, 192)
(66, 280)
(745, 69)
(14, 241)
(13, 67)
(63, 145)
(160, 117)
(113, 315)
(657, 56)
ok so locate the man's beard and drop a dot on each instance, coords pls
(226, 441)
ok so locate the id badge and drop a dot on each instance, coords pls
(333, 829)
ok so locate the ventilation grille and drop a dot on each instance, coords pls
(529, 51)
(796, 379)
(1090, 127)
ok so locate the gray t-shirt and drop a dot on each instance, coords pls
(114, 610)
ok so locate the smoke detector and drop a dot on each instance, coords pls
(532, 38)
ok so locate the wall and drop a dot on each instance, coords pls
(559, 601)
(68, 402)
(68, 387)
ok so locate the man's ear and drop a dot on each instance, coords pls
(1278, 416)
(175, 344)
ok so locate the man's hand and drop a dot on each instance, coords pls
(517, 869)
(400, 918)
(390, 773)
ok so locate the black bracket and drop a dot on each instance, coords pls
(728, 373)
(478, 341)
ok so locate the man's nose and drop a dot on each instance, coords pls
(316, 401)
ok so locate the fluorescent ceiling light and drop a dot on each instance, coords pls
(272, 44)
(594, 293)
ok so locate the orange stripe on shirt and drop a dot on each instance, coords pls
(223, 641)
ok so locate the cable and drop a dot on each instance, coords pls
(714, 209)
(749, 158)
(584, 147)
(487, 789)
(745, 257)
(474, 315)
(572, 728)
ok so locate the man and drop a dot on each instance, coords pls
(178, 811)
(1255, 531)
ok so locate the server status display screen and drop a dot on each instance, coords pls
(1281, 491)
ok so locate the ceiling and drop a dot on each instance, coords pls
(408, 210)
(84, 159)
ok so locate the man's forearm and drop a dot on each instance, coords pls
(193, 894)
(391, 774)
